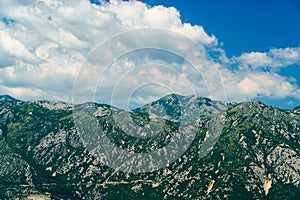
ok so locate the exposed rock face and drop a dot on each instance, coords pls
(244, 151)
(210, 186)
(267, 186)
(37, 197)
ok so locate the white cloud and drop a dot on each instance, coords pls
(49, 40)
(265, 84)
(13, 47)
(43, 49)
(256, 59)
(246, 85)
(274, 58)
(257, 75)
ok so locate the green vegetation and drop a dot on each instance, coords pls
(42, 152)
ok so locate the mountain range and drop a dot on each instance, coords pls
(178, 147)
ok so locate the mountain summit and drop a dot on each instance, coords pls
(174, 148)
(7, 98)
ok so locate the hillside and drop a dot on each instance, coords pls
(174, 148)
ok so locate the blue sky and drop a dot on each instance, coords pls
(47, 49)
(243, 26)
(247, 26)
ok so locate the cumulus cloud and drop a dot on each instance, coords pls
(258, 75)
(275, 58)
(49, 40)
(248, 85)
(120, 50)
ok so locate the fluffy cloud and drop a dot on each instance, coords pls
(247, 85)
(257, 75)
(119, 51)
(274, 58)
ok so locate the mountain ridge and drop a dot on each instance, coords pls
(53, 151)
(7, 98)
(172, 95)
